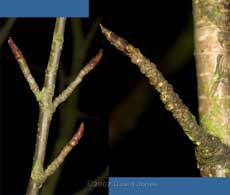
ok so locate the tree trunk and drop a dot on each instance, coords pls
(212, 52)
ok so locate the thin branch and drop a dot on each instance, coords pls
(55, 53)
(69, 112)
(67, 92)
(5, 30)
(24, 67)
(65, 151)
(170, 99)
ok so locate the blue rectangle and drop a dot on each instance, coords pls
(44, 8)
(167, 186)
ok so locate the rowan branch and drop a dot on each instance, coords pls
(68, 112)
(65, 151)
(170, 99)
(46, 105)
(55, 53)
(24, 67)
(46, 110)
(88, 67)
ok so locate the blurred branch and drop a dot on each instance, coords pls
(90, 35)
(78, 44)
(81, 43)
(92, 185)
(119, 123)
(5, 30)
(180, 53)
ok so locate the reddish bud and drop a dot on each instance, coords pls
(16, 51)
(95, 60)
(77, 136)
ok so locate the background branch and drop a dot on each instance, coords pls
(88, 189)
(5, 30)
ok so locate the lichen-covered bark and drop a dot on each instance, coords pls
(212, 51)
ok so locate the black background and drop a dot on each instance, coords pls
(155, 147)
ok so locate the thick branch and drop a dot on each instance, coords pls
(210, 149)
(170, 99)
(24, 67)
(65, 151)
(67, 92)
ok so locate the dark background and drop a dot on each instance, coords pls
(156, 146)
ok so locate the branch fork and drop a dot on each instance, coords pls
(48, 106)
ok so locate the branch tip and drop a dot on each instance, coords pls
(103, 29)
(95, 60)
(16, 51)
(24, 66)
(85, 70)
(78, 135)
